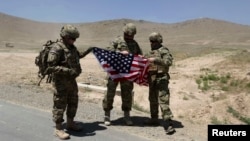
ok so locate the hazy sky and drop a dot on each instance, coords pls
(162, 11)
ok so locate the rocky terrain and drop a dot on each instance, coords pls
(223, 49)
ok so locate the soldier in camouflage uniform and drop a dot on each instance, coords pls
(124, 44)
(160, 60)
(64, 67)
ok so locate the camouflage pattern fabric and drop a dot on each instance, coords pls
(158, 83)
(66, 67)
(65, 96)
(119, 44)
(126, 95)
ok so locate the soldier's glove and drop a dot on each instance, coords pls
(90, 49)
(49, 70)
(62, 70)
(72, 73)
(84, 53)
(58, 69)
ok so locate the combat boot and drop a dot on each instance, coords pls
(59, 132)
(152, 122)
(107, 118)
(170, 129)
(127, 118)
(71, 125)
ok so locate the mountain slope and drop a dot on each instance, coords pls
(202, 31)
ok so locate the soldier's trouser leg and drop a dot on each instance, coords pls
(72, 100)
(153, 100)
(107, 102)
(164, 96)
(59, 106)
(126, 95)
(108, 99)
(72, 108)
(60, 103)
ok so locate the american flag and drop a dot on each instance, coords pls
(123, 67)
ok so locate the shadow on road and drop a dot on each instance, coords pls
(88, 129)
(139, 121)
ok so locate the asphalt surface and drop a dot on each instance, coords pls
(20, 123)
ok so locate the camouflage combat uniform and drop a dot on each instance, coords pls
(158, 83)
(66, 62)
(126, 86)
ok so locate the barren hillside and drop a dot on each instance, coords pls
(197, 34)
(202, 48)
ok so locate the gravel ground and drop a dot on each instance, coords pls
(18, 85)
(90, 111)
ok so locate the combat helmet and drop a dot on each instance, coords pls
(155, 37)
(129, 29)
(69, 30)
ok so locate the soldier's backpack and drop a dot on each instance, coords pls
(41, 61)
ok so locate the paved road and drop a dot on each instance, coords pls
(19, 123)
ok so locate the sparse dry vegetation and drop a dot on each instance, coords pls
(210, 78)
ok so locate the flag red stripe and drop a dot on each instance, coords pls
(137, 73)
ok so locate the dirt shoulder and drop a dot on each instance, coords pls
(192, 108)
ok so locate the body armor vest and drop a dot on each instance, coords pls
(153, 68)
